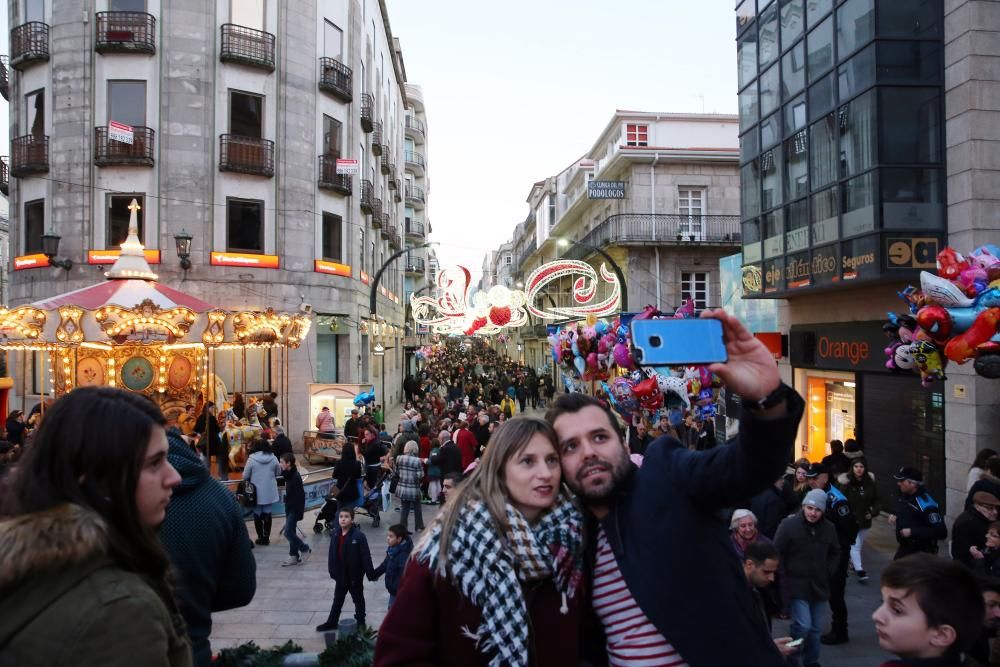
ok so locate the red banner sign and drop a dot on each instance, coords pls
(36, 261)
(245, 259)
(332, 268)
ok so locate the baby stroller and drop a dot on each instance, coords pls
(369, 501)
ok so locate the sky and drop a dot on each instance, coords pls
(516, 91)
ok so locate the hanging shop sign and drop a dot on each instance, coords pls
(111, 256)
(365, 278)
(606, 190)
(379, 350)
(851, 346)
(249, 260)
(35, 261)
(332, 268)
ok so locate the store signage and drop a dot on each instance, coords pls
(751, 278)
(379, 350)
(774, 271)
(111, 256)
(347, 167)
(825, 265)
(36, 261)
(851, 346)
(774, 341)
(365, 278)
(332, 268)
(119, 132)
(248, 260)
(605, 190)
(911, 253)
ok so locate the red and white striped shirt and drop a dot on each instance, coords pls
(632, 640)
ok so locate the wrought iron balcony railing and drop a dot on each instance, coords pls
(29, 43)
(4, 176)
(125, 32)
(414, 126)
(414, 159)
(4, 78)
(665, 229)
(29, 155)
(387, 167)
(415, 229)
(246, 46)
(367, 196)
(336, 78)
(378, 142)
(108, 152)
(415, 195)
(329, 179)
(367, 112)
(378, 218)
(414, 265)
(246, 155)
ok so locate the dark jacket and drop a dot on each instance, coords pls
(945, 661)
(862, 495)
(295, 494)
(429, 624)
(922, 515)
(351, 566)
(208, 545)
(809, 554)
(449, 459)
(969, 530)
(685, 590)
(15, 432)
(281, 445)
(771, 506)
(838, 512)
(347, 474)
(837, 464)
(394, 564)
(211, 439)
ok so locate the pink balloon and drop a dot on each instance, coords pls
(592, 361)
(622, 356)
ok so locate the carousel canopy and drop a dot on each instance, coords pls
(126, 294)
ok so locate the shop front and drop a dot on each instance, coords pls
(839, 368)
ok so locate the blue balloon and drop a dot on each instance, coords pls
(601, 327)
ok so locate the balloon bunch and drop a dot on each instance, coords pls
(676, 392)
(590, 351)
(953, 316)
(364, 398)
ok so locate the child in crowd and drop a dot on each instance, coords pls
(932, 611)
(348, 562)
(400, 546)
(295, 507)
(987, 560)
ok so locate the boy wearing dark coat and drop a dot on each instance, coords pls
(400, 547)
(295, 508)
(348, 563)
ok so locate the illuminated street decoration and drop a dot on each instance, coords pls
(584, 289)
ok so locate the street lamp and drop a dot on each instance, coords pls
(182, 241)
(378, 276)
(50, 248)
(562, 243)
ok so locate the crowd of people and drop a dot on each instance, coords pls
(551, 541)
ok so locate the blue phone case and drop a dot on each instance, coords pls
(678, 342)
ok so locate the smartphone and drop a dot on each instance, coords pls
(678, 342)
(795, 643)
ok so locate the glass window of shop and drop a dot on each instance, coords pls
(831, 412)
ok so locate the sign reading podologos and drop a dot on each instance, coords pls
(605, 189)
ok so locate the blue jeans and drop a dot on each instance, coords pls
(261, 509)
(392, 598)
(808, 619)
(295, 543)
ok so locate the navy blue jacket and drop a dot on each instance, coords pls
(680, 568)
(357, 559)
(394, 564)
(295, 495)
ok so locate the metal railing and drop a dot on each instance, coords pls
(125, 32)
(4, 175)
(4, 78)
(329, 179)
(665, 229)
(367, 112)
(377, 218)
(534, 331)
(394, 239)
(336, 78)
(29, 155)
(108, 152)
(415, 195)
(414, 265)
(29, 42)
(415, 158)
(247, 46)
(246, 155)
(377, 141)
(367, 196)
(415, 125)
(389, 169)
(414, 228)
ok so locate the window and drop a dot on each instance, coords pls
(127, 102)
(857, 135)
(795, 115)
(797, 165)
(746, 56)
(819, 53)
(691, 204)
(333, 226)
(859, 205)
(749, 111)
(331, 136)
(744, 15)
(244, 225)
(247, 13)
(823, 152)
(855, 25)
(797, 223)
(912, 198)
(822, 96)
(857, 74)
(769, 94)
(34, 10)
(770, 131)
(751, 240)
(34, 109)
(333, 40)
(552, 211)
(636, 135)
(34, 226)
(246, 114)
(508, 260)
(773, 234)
(695, 286)
(750, 189)
(793, 72)
(825, 206)
(909, 62)
(118, 217)
(792, 21)
(749, 146)
(361, 255)
(815, 9)
(768, 36)
(771, 177)
(912, 133)
(127, 5)
(910, 20)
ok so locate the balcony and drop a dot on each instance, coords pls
(246, 155)
(4, 176)
(378, 141)
(415, 196)
(329, 179)
(414, 266)
(246, 46)
(414, 128)
(415, 230)
(393, 237)
(29, 155)
(336, 78)
(534, 331)
(4, 78)
(29, 43)
(632, 229)
(415, 161)
(111, 153)
(125, 32)
(397, 191)
(389, 169)
(367, 112)
(378, 218)
(367, 196)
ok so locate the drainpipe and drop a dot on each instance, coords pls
(652, 202)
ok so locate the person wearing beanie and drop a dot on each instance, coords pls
(969, 529)
(810, 553)
(918, 519)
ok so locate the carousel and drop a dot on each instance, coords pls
(137, 334)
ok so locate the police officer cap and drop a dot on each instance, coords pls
(816, 469)
(909, 473)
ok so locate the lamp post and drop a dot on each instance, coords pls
(182, 241)
(614, 265)
(50, 248)
(378, 276)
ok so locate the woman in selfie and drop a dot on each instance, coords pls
(483, 586)
(84, 580)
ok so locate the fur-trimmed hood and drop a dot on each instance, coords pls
(53, 540)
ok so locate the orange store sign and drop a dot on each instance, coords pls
(245, 259)
(332, 268)
(111, 256)
(35, 261)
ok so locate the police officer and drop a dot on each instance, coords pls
(838, 512)
(918, 519)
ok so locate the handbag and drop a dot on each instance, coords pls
(393, 482)
(246, 493)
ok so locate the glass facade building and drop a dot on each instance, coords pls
(842, 148)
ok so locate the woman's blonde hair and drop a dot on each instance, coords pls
(486, 483)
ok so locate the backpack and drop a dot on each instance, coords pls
(246, 493)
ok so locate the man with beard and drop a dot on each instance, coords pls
(985, 651)
(660, 561)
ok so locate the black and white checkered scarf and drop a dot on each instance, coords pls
(491, 577)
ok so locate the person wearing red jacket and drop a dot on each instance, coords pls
(498, 576)
(467, 444)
